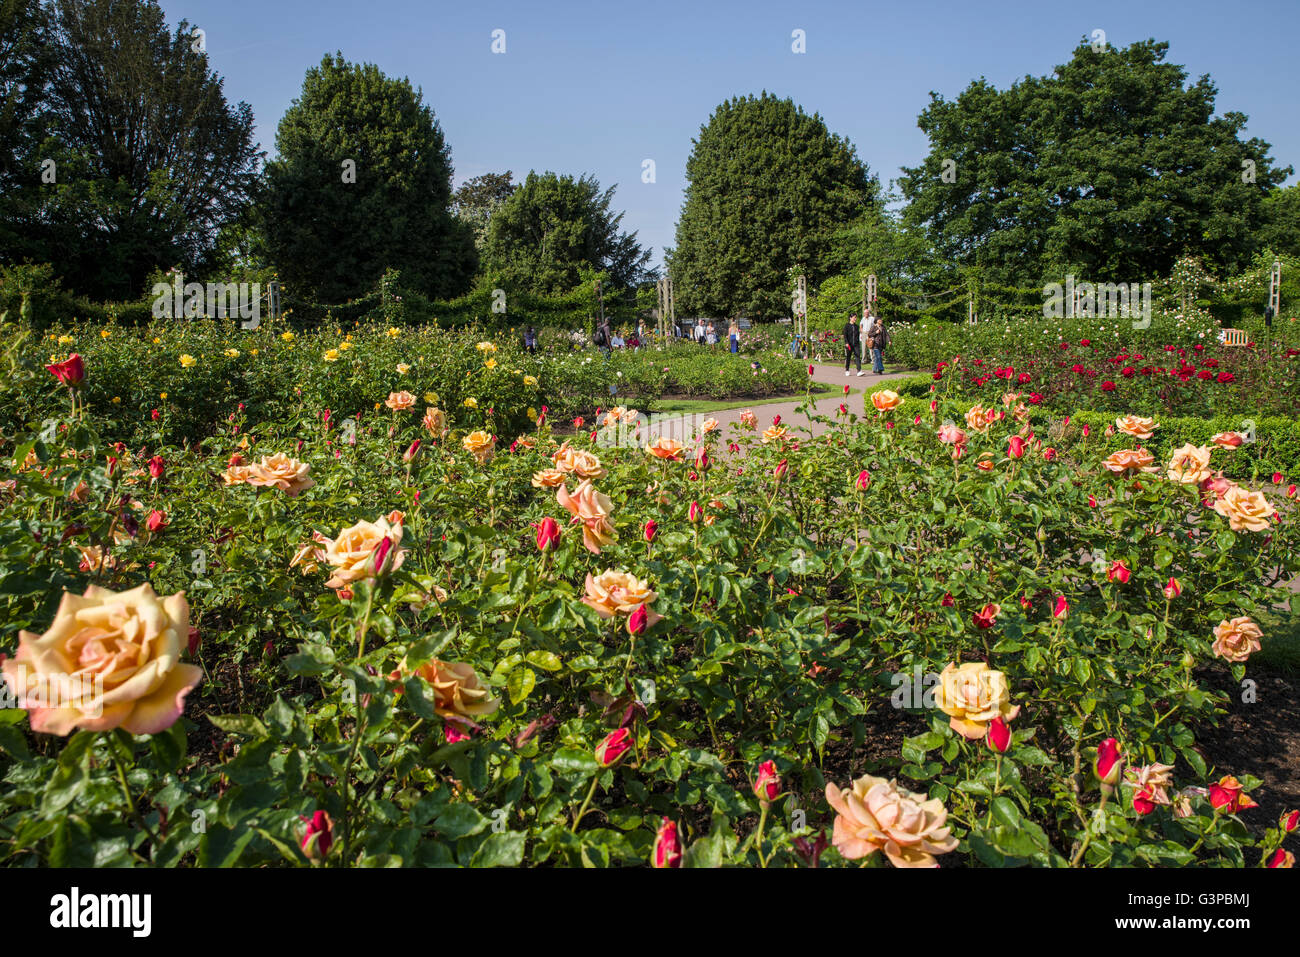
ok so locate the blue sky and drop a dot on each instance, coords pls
(600, 87)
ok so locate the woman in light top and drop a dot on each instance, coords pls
(733, 333)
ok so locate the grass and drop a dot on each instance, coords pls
(687, 406)
(1280, 649)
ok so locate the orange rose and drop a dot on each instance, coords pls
(109, 660)
(978, 418)
(400, 401)
(1236, 640)
(1136, 426)
(886, 400)
(1228, 440)
(619, 593)
(775, 434)
(665, 448)
(1190, 465)
(878, 815)
(591, 510)
(479, 444)
(458, 692)
(1244, 510)
(581, 463)
(286, 474)
(352, 553)
(1128, 461)
(435, 421)
(548, 478)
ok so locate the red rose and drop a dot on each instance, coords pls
(999, 735)
(318, 837)
(667, 846)
(548, 534)
(613, 747)
(70, 371)
(768, 783)
(1108, 761)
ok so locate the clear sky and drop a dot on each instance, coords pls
(599, 87)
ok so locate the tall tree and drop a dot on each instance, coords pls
(478, 198)
(149, 160)
(768, 187)
(1281, 230)
(24, 73)
(1111, 167)
(363, 183)
(553, 227)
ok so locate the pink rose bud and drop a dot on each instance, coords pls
(1282, 859)
(1086, 430)
(1289, 821)
(613, 747)
(863, 481)
(157, 465)
(548, 534)
(1108, 761)
(667, 846)
(453, 732)
(702, 458)
(1173, 589)
(1290, 491)
(70, 371)
(1016, 448)
(411, 450)
(636, 622)
(651, 530)
(1092, 501)
(1062, 608)
(776, 420)
(999, 736)
(1277, 478)
(578, 422)
(1049, 454)
(318, 837)
(934, 405)
(694, 512)
(155, 414)
(382, 557)
(768, 784)
(781, 469)
(1119, 572)
(157, 520)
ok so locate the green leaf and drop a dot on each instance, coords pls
(245, 724)
(520, 684)
(505, 849)
(459, 820)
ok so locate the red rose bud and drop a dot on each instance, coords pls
(613, 747)
(780, 470)
(70, 371)
(651, 530)
(157, 520)
(985, 617)
(453, 732)
(1119, 572)
(846, 390)
(999, 736)
(1282, 859)
(810, 370)
(694, 512)
(667, 846)
(1144, 802)
(776, 420)
(345, 594)
(768, 784)
(636, 622)
(1277, 478)
(947, 601)
(1049, 454)
(702, 459)
(934, 405)
(578, 422)
(1092, 501)
(863, 480)
(548, 533)
(1173, 589)
(318, 837)
(1107, 767)
(1289, 821)
(1017, 447)
(1061, 609)
(1086, 430)
(1228, 795)
(157, 465)
(411, 451)
(155, 415)
(383, 556)
(112, 464)
(195, 639)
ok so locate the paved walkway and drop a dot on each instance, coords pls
(684, 426)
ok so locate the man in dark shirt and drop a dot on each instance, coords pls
(852, 343)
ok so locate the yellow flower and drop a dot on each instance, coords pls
(104, 333)
(162, 395)
(471, 403)
(393, 332)
(431, 398)
(156, 340)
(331, 355)
(252, 352)
(345, 345)
(66, 340)
(479, 444)
(532, 414)
(287, 335)
(117, 400)
(490, 364)
(232, 353)
(530, 380)
(486, 347)
(188, 360)
(972, 695)
(403, 368)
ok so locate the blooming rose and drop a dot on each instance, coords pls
(581, 463)
(286, 474)
(1244, 509)
(665, 448)
(619, 593)
(353, 553)
(950, 434)
(985, 617)
(458, 692)
(1228, 440)
(400, 401)
(878, 815)
(548, 478)
(435, 421)
(70, 371)
(973, 695)
(591, 509)
(978, 418)
(1150, 784)
(109, 660)
(1237, 639)
(1136, 426)
(1228, 795)
(748, 419)
(886, 400)
(1131, 460)
(775, 434)
(1190, 465)
(709, 425)
(479, 444)
(613, 417)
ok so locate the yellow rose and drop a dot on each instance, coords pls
(351, 555)
(1190, 465)
(435, 421)
(1244, 510)
(591, 509)
(973, 695)
(403, 368)
(1136, 426)
(1236, 640)
(345, 345)
(490, 364)
(773, 434)
(479, 444)
(878, 815)
(885, 400)
(486, 347)
(232, 353)
(67, 340)
(279, 470)
(188, 361)
(470, 403)
(109, 660)
(400, 401)
(331, 355)
(458, 692)
(287, 336)
(530, 380)
(393, 333)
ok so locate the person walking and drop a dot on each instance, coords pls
(852, 344)
(877, 339)
(733, 334)
(711, 334)
(699, 331)
(530, 340)
(602, 338)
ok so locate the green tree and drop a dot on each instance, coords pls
(1281, 231)
(768, 188)
(552, 228)
(478, 198)
(1111, 167)
(363, 183)
(24, 73)
(149, 158)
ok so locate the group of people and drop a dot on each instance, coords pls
(871, 334)
(705, 333)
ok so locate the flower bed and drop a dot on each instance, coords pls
(406, 641)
